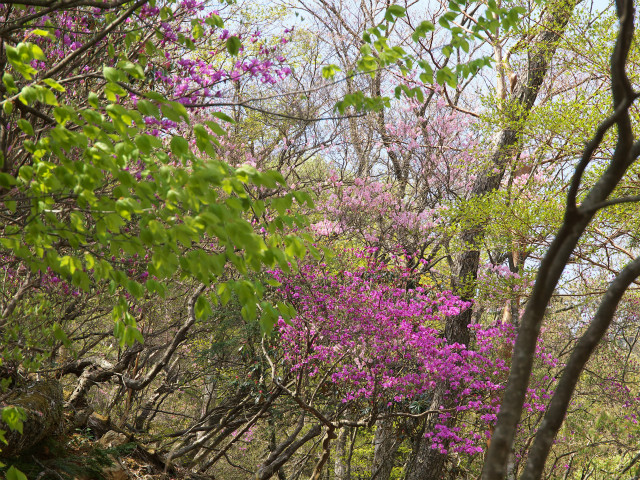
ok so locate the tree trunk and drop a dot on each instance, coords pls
(341, 469)
(42, 404)
(385, 446)
(429, 464)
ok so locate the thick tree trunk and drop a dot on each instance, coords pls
(430, 464)
(341, 468)
(385, 446)
(42, 404)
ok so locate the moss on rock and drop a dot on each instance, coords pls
(42, 402)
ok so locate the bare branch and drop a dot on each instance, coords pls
(181, 334)
(585, 347)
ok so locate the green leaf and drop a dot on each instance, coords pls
(36, 52)
(179, 146)
(394, 11)
(131, 68)
(112, 74)
(222, 116)
(135, 289)
(330, 71)
(14, 474)
(26, 172)
(174, 111)
(268, 318)
(42, 33)
(7, 180)
(26, 127)
(145, 107)
(224, 292)
(202, 308)
(233, 45)
(9, 82)
(214, 21)
(445, 75)
(46, 96)
(60, 335)
(92, 98)
(294, 247)
(217, 129)
(28, 95)
(143, 143)
(14, 417)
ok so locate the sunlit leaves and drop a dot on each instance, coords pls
(14, 418)
(9, 82)
(164, 212)
(377, 53)
(393, 12)
(101, 189)
(133, 69)
(421, 30)
(25, 126)
(446, 76)
(233, 45)
(330, 71)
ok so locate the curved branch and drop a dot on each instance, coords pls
(557, 410)
(556, 258)
(591, 147)
(140, 383)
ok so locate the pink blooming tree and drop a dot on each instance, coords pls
(370, 344)
(424, 164)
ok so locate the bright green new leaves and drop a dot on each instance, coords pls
(393, 12)
(100, 192)
(14, 418)
(330, 71)
(14, 474)
(233, 45)
(125, 327)
(21, 55)
(377, 53)
(421, 30)
(359, 101)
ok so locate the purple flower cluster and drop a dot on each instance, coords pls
(378, 342)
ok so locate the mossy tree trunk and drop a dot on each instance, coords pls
(42, 403)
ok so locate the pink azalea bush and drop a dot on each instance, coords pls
(377, 342)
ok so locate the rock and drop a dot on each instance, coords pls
(98, 424)
(115, 471)
(113, 439)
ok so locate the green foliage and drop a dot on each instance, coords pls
(376, 53)
(87, 210)
(14, 418)
(14, 474)
(78, 458)
(233, 45)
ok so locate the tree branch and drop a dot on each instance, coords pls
(140, 383)
(557, 410)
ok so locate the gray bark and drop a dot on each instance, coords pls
(278, 458)
(430, 464)
(576, 220)
(385, 446)
(341, 468)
